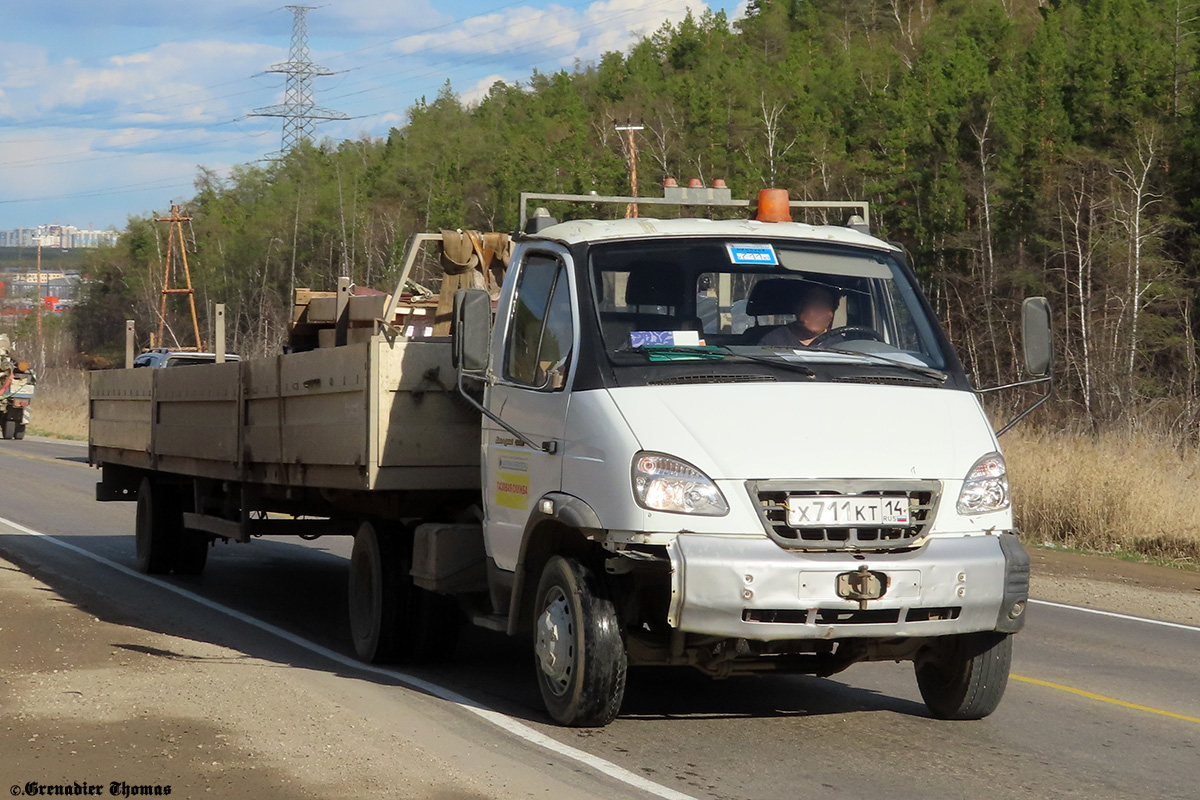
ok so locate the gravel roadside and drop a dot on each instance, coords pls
(1126, 587)
(86, 701)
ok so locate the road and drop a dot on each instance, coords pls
(1099, 707)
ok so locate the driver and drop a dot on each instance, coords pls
(814, 308)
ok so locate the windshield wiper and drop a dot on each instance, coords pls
(714, 353)
(928, 372)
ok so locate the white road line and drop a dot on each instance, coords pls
(48, 440)
(1115, 615)
(496, 718)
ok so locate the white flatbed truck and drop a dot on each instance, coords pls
(616, 467)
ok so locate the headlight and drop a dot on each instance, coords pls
(662, 483)
(986, 487)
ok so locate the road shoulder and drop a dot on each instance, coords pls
(1109, 584)
(84, 700)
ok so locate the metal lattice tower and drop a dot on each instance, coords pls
(300, 113)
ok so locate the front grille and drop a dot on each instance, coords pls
(770, 498)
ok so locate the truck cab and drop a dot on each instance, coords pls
(662, 486)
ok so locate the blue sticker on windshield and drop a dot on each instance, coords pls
(752, 254)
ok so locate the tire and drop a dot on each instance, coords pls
(579, 654)
(157, 528)
(373, 585)
(964, 676)
(191, 547)
(191, 552)
(431, 623)
(19, 431)
(9, 429)
(392, 619)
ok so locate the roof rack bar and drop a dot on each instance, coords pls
(862, 207)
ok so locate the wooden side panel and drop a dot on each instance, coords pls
(197, 412)
(262, 411)
(119, 409)
(324, 403)
(377, 415)
(422, 419)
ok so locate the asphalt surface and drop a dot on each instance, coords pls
(1098, 707)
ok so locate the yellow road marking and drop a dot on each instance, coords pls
(1104, 699)
(47, 460)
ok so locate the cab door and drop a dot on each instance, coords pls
(532, 362)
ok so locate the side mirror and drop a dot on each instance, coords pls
(1037, 337)
(472, 330)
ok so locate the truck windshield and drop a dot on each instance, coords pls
(778, 300)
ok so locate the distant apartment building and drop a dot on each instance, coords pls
(59, 237)
(17, 237)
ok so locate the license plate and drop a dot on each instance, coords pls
(842, 511)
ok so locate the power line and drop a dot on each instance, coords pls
(162, 183)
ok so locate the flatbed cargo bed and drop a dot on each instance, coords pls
(376, 415)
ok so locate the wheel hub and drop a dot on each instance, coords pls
(555, 645)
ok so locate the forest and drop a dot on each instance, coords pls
(1013, 147)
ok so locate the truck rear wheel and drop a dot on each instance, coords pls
(9, 430)
(392, 619)
(374, 583)
(580, 655)
(157, 528)
(964, 676)
(191, 552)
(19, 431)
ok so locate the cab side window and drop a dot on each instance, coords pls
(540, 332)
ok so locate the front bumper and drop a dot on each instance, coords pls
(748, 587)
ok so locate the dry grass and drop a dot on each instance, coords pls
(1133, 493)
(60, 407)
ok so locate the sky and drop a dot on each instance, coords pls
(108, 107)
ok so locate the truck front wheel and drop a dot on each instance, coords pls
(964, 676)
(580, 654)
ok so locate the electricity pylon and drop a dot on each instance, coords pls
(298, 109)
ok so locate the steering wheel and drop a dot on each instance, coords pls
(845, 333)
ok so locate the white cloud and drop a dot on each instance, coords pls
(20, 63)
(480, 90)
(95, 179)
(136, 58)
(524, 34)
(180, 82)
(381, 18)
